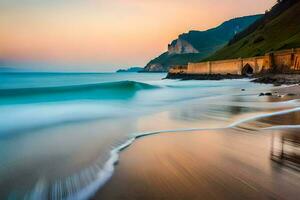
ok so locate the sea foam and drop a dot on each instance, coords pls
(106, 172)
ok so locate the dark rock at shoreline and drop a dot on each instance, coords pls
(275, 79)
(203, 76)
(278, 79)
(265, 94)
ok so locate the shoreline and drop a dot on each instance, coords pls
(136, 177)
(129, 144)
(275, 79)
(278, 79)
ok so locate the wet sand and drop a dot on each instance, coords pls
(211, 164)
(294, 89)
(223, 164)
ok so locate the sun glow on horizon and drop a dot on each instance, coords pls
(111, 34)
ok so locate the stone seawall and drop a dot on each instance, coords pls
(284, 61)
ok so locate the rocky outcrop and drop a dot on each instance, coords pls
(181, 46)
(155, 67)
(278, 79)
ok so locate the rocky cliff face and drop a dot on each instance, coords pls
(181, 46)
(196, 45)
(155, 67)
(175, 49)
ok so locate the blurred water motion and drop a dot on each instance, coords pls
(57, 131)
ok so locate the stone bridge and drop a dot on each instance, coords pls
(284, 61)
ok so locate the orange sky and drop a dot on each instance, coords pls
(101, 36)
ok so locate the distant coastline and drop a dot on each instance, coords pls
(131, 69)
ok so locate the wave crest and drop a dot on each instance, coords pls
(121, 85)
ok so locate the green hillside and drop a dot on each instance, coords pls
(177, 59)
(205, 42)
(278, 29)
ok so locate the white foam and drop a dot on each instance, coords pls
(252, 118)
(107, 170)
(103, 175)
(20, 117)
(282, 127)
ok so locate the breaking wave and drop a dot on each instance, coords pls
(121, 85)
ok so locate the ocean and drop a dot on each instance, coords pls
(61, 133)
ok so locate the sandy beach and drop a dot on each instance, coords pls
(210, 164)
(227, 164)
(150, 100)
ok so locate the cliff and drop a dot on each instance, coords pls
(181, 46)
(196, 45)
(278, 29)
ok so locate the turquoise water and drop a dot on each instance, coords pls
(60, 133)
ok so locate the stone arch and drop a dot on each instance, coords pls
(247, 70)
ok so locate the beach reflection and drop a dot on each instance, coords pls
(219, 114)
(285, 148)
(217, 162)
(223, 164)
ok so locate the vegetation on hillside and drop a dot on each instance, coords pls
(176, 59)
(212, 39)
(278, 29)
(206, 42)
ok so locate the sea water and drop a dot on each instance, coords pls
(61, 133)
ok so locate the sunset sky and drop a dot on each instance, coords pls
(101, 35)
